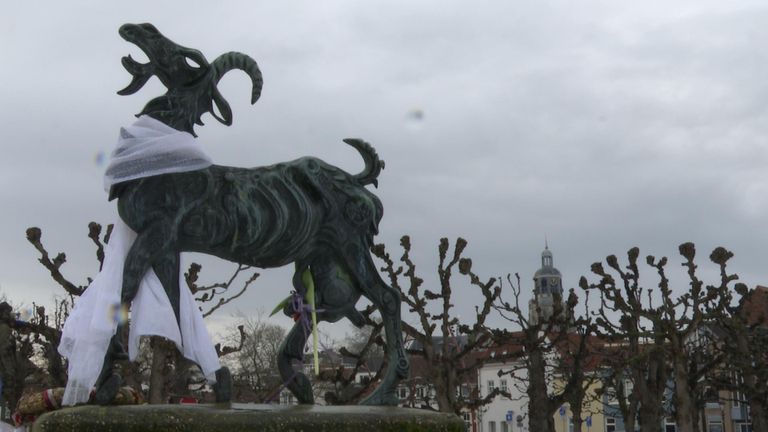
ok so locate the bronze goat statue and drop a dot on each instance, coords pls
(306, 212)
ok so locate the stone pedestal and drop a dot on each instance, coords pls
(245, 417)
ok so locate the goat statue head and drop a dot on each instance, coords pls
(191, 81)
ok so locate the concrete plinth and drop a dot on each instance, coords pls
(243, 417)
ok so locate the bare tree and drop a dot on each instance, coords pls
(446, 345)
(640, 337)
(656, 339)
(16, 354)
(366, 347)
(743, 343)
(683, 317)
(254, 368)
(555, 360)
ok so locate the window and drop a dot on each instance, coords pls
(670, 425)
(610, 424)
(629, 385)
(465, 391)
(467, 417)
(491, 386)
(715, 426)
(503, 384)
(462, 391)
(504, 426)
(743, 427)
(711, 399)
(491, 426)
(403, 392)
(738, 397)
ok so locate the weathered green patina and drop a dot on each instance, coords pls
(190, 79)
(306, 211)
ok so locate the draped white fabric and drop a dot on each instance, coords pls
(93, 320)
(150, 147)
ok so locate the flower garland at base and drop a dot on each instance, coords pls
(34, 404)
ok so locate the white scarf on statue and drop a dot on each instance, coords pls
(146, 148)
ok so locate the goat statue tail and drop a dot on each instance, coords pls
(373, 165)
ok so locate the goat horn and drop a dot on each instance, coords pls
(235, 60)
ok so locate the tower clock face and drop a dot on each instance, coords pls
(553, 282)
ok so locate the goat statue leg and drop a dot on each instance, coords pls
(139, 259)
(387, 300)
(167, 268)
(108, 383)
(292, 348)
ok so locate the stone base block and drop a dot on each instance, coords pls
(245, 417)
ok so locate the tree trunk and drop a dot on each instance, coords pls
(759, 414)
(179, 385)
(540, 414)
(627, 403)
(541, 423)
(685, 408)
(158, 393)
(12, 379)
(653, 380)
(650, 419)
(441, 396)
(651, 415)
(577, 425)
(445, 382)
(577, 420)
(629, 423)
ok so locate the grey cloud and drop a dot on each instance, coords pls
(601, 127)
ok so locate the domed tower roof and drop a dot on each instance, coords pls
(547, 290)
(547, 279)
(547, 266)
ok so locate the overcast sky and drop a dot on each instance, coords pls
(600, 125)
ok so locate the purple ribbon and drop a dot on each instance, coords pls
(301, 313)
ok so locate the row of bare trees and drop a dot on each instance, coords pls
(658, 351)
(648, 347)
(680, 349)
(452, 351)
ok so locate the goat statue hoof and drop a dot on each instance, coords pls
(223, 386)
(108, 390)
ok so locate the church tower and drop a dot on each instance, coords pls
(547, 290)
